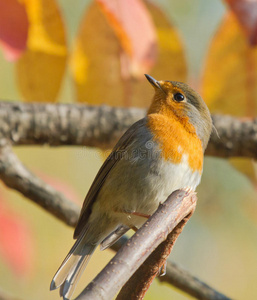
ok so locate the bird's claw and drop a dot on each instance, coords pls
(188, 190)
(162, 270)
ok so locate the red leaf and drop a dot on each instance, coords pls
(134, 28)
(13, 28)
(246, 13)
(16, 245)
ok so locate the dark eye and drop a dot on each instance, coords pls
(179, 97)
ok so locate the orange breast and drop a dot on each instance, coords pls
(176, 139)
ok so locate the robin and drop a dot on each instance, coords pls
(157, 155)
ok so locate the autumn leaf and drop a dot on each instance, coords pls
(100, 66)
(230, 78)
(246, 14)
(171, 63)
(13, 28)
(135, 31)
(40, 69)
(230, 75)
(16, 242)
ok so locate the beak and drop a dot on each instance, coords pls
(153, 81)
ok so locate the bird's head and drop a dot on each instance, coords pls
(178, 100)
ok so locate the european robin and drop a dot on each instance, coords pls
(157, 155)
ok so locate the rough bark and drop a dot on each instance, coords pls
(101, 126)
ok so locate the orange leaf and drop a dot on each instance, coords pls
(13, 28)
(16, 244)
(40, 69)
(246, 13)
(99, 60)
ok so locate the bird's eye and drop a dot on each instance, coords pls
(179, 97)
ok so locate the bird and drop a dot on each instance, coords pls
(157, 155)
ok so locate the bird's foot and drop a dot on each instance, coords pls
(134, 228)
(188, 189)
(162, 270)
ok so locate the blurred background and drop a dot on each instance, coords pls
(97, 52)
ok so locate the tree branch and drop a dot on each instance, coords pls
(236, 137)
(177, 277)
(101, 126)
(64, 124)
(182, 279)
(141, 280)
(131, 256)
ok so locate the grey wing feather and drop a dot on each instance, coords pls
(107, 166)
(113, 237)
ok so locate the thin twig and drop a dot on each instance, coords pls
(129, 258)
(182, 279)
(139, 283)
(177, 277)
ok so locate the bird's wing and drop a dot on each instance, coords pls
(117, 153)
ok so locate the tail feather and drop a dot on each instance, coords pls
(72, 267)
(66, 265)
(77, 259)
(70, 283)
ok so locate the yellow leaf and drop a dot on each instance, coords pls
(230, 77)
(171, 63)
(95, 61)
(40, 69)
